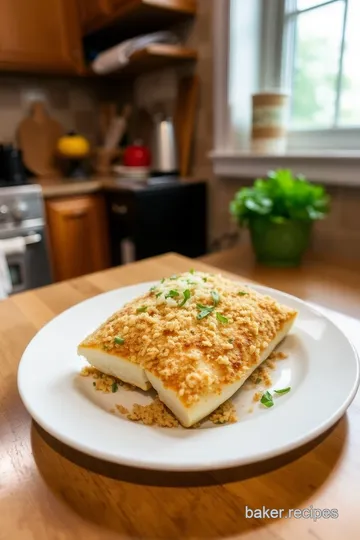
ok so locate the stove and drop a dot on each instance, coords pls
(22, 236)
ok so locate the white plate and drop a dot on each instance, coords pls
(322, 370)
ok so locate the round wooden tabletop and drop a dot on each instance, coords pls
(50, 491)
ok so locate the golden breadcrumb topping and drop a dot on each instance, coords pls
(224, 414)
(194, 331)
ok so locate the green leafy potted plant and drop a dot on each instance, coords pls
(279, 212)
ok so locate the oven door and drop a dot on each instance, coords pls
(31, 268)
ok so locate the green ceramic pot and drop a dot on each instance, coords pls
(279, 244)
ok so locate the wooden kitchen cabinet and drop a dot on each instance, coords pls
(40, 35)
(94, 13)
(78, 234)
(129, 18)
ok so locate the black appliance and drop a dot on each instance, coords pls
(12, 170)
(155, 218)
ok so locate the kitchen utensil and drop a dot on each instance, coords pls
(185, 111)
(117, 129)
(164, 151)
(107, 112)
(38, 136)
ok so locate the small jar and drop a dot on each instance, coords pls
(269, 123)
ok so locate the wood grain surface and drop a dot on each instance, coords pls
(50, 491)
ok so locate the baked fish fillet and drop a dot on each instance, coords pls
(194, 337)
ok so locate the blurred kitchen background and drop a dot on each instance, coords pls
(105, 153)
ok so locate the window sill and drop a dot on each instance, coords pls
(333, 168)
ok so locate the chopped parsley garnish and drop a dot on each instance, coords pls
(173, 277)
(141, 309)
(186, 294)
(258, 380)
(204, 279)
(231, 340)
(192, 271)
(191, 282)
(172, 294)
(114, 387)
(216, 298)
(162, 281)
(283, 391)
(204, 313)
(119, 340)
(158, 294)
(221, 318)
(201, 306)
(242, 293)
(267, 400)
(153, 288)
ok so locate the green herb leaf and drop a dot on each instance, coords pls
(119, 340)
(192, 271)
(221, 318)
(283, 391)
(267, 400)
(186, 294)
(114, 387)
(153, 288)
(204, 313)
(204, 279)
(191, 282)
(242, 293)
(141, 309)
(258, 380)
(158, 294)
(202, 306)
(215, 297)
(162, 281)
(172, 294)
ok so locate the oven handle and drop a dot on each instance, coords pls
(32, 239)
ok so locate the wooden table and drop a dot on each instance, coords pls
(49, 491)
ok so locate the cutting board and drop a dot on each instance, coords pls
(37, 137)
(185, 115)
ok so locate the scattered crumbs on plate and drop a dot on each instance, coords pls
(257, 396)
(122, 409)
(270, 363)
(154, 414)
(224, 414)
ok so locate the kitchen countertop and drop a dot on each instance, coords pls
(49, 491)
(66, 187)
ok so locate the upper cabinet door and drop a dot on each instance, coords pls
(94, 12)
(40, 35)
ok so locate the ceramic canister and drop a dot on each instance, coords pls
(269, 123)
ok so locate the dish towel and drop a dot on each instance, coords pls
(5, 280)
(118, 57)
(9, 246)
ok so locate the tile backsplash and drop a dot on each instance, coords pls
(73, 102)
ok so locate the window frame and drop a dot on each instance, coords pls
(334, 157)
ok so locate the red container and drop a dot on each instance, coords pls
(137, 155)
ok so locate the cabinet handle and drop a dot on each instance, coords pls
(119, 209)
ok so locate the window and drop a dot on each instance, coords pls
(310, 48)
(321, 63)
